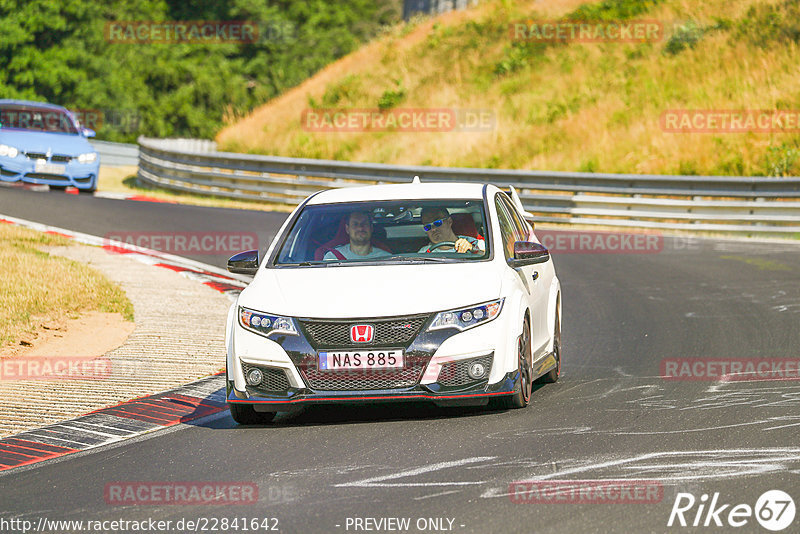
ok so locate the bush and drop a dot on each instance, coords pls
(391, 98)
(612, 10)
(781, 160)
(684, 36)
(58, 52)
(765, 24)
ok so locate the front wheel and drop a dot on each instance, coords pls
(522, 396)
(244, 414)
(552, 375)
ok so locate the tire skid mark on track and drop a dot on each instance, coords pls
(115, 423)
(672, 467)
(382, 481)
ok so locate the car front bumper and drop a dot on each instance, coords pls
(293, 398)
(22, 169)
(440, 360)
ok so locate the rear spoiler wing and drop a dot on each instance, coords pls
(518, 203)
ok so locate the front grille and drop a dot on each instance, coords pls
(36, 155)
(365, 379)
(389, 333)
(273, 379)
(47, 176)
(455, 373)
(60, 158)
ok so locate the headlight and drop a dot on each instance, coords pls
(266, 324)
(89, 157)
(9, 151)
(465, 318)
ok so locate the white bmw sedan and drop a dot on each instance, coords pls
(389, 293)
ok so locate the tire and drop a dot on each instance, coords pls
(244, 414)
(551, 376)
(522, 395)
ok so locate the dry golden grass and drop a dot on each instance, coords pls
(37, 288)
(579, 106)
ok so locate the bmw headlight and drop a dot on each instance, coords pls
(89, 157)
(465, 318)
(10, 151)
(266, 324)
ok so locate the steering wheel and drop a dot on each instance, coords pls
(442, 244)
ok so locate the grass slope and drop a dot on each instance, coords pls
(577, 106)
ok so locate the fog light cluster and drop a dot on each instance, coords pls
(266, 324)
(254, 376)
(467, 317)
(476, 370)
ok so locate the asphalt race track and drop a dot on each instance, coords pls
(610, 416)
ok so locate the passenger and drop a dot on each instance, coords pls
(439, 226)
(359, 229)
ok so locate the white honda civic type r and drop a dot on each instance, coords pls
(389, 293)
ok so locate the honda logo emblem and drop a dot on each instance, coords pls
(361, 333)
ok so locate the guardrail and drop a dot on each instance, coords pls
(703, 203)
(433, 7)
(116, 154)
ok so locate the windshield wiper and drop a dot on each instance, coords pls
(306, 263)
(414, 259)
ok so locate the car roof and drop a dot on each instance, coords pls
(31, 103)
(409, 191)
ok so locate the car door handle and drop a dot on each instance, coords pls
(535, 275)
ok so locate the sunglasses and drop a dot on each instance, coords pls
(437, 223)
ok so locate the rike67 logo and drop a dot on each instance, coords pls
(774, 510)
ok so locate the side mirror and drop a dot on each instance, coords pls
(88, 132)
(529, 253)
(244, 262)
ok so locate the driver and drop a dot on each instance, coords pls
(359, 229)
(439, 226)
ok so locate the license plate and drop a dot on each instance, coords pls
(50, 168)
(361, 359)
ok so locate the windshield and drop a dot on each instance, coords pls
(387, 232)
(36, 119)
